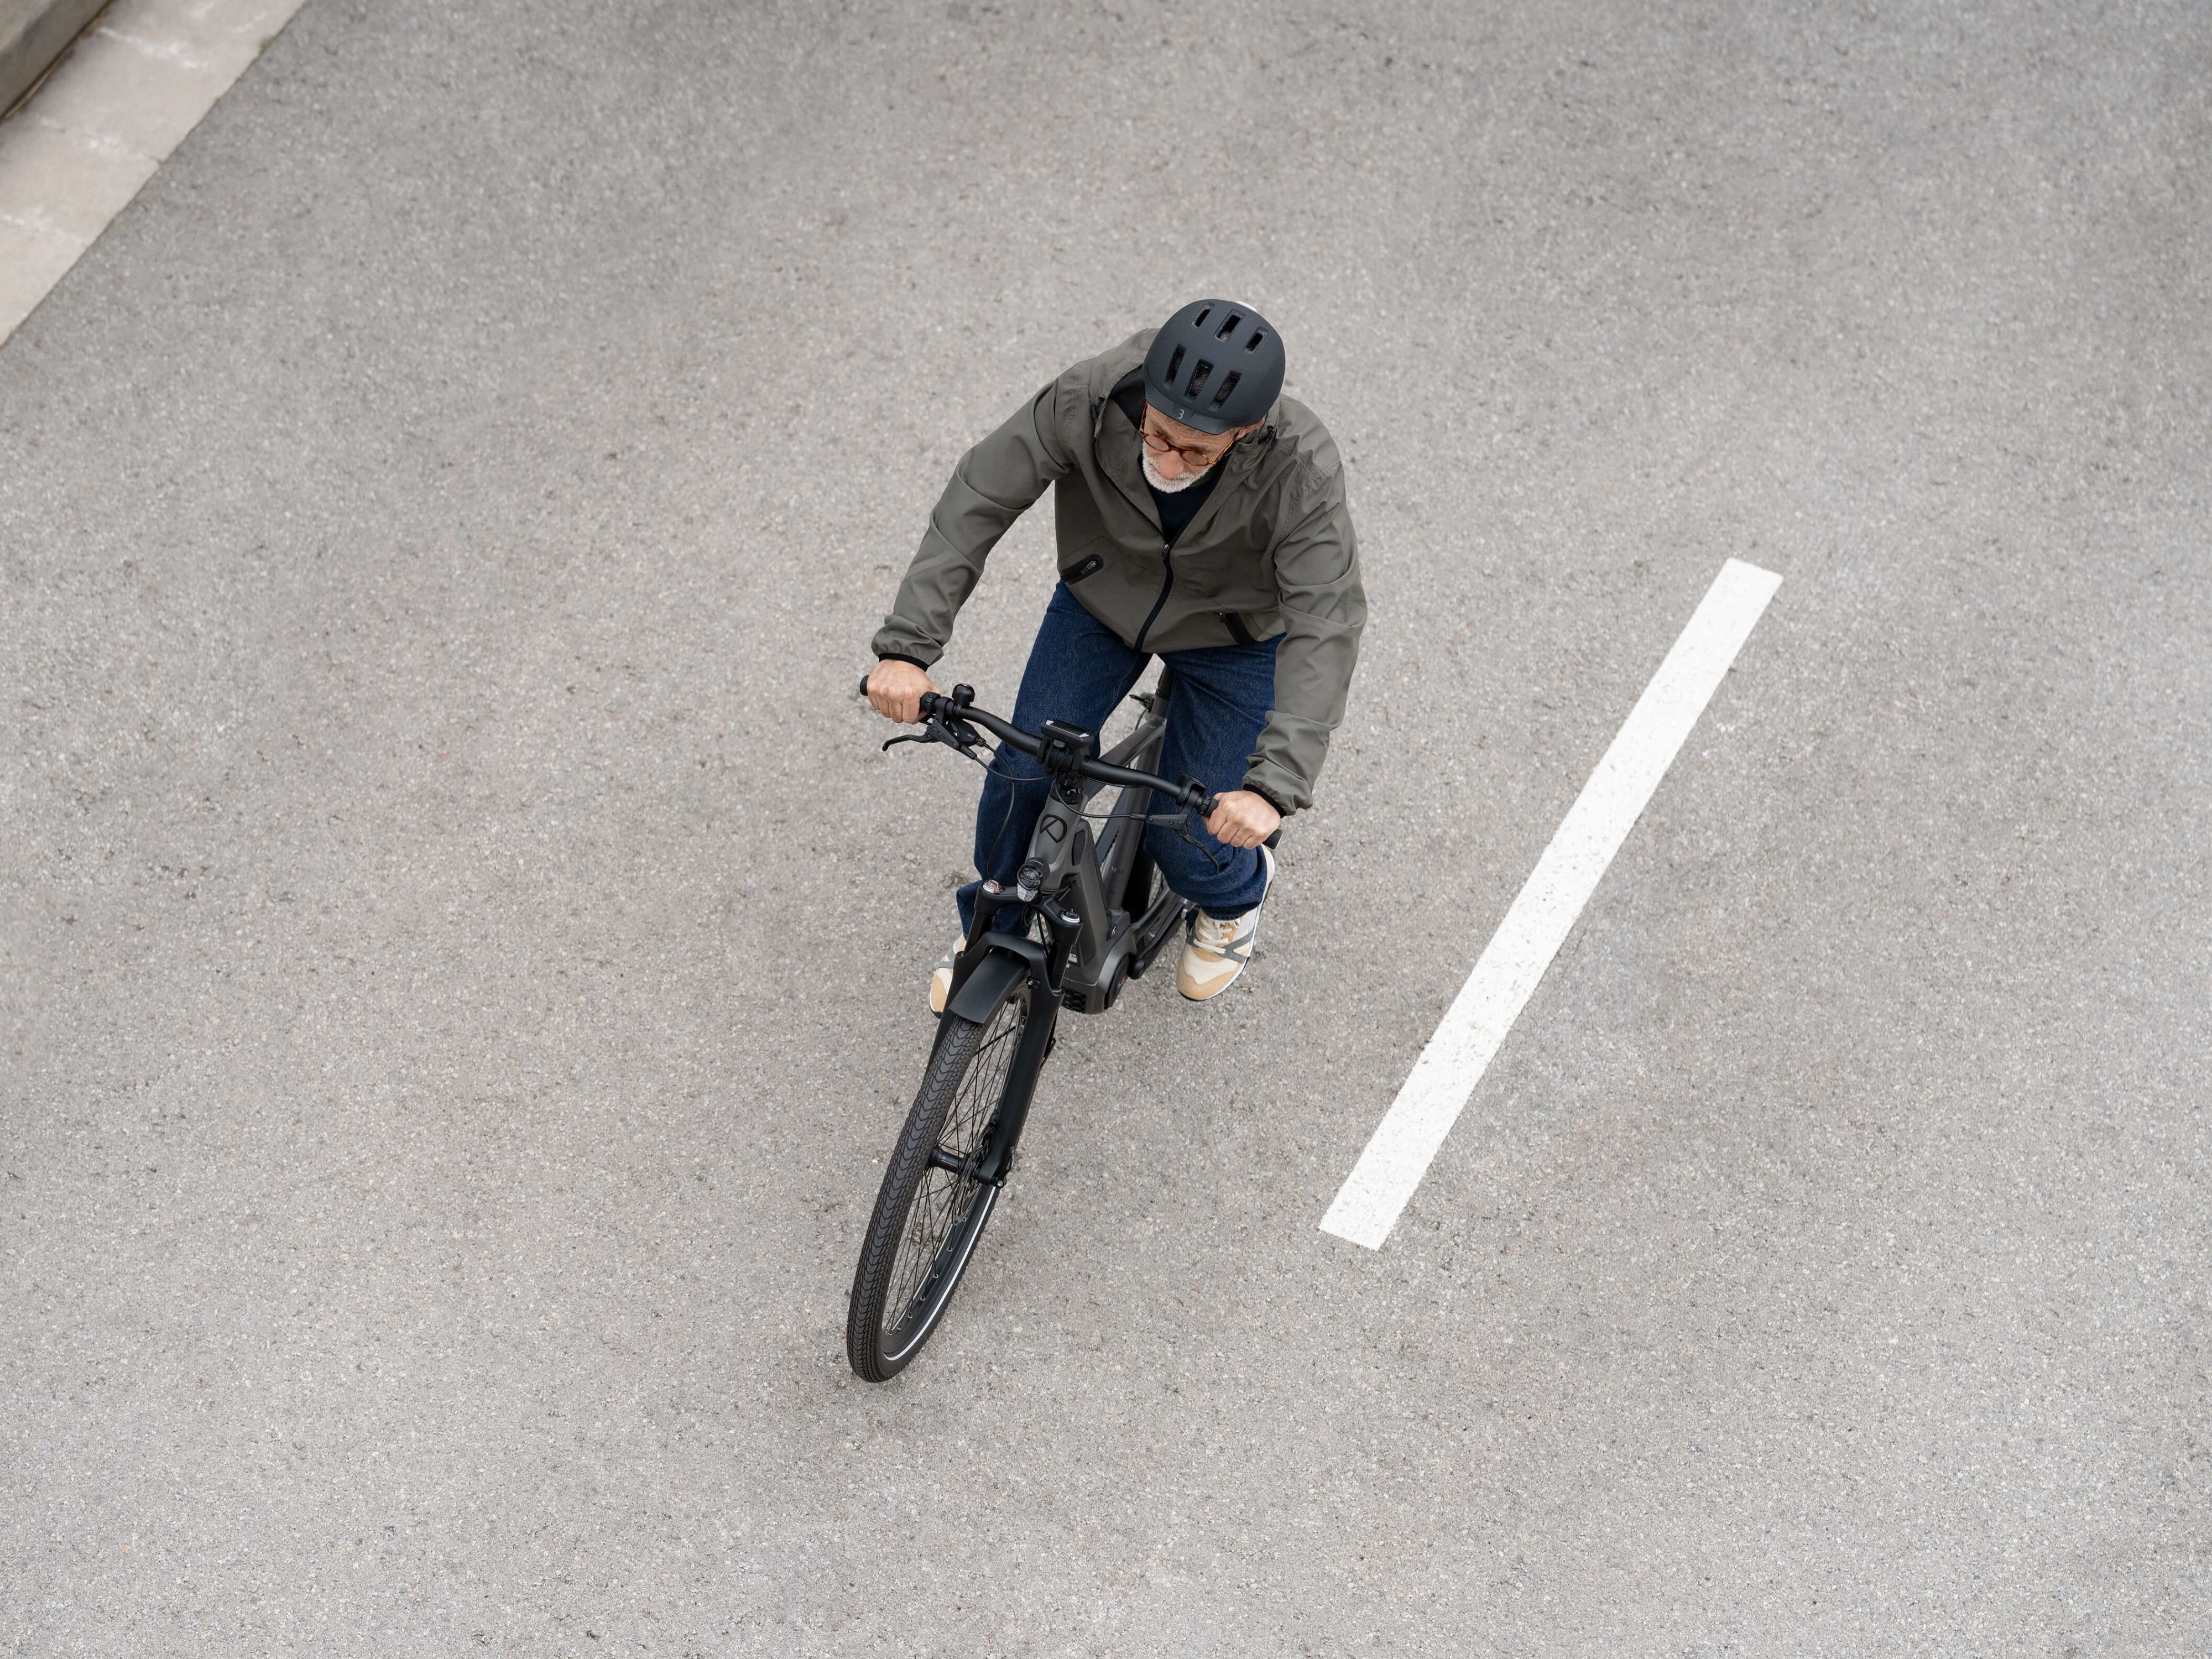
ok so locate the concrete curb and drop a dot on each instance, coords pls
(33, 34)
(104, 120)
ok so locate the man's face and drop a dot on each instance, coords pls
(1179, 453)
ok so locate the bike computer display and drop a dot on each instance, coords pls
(1065, 745)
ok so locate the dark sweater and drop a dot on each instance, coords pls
(1177, 507)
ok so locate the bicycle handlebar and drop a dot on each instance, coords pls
(939, 708)
(1182, 794)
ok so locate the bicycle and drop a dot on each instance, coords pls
(1088, 922)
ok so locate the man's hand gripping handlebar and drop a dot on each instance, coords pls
(895, 689)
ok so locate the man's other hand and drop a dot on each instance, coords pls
(1240, 818)
(895, 690)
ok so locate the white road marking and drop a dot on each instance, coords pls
(1399, 1151)
(72, 158)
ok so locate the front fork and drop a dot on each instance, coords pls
(1061, 858)
(1037, 1036)
(1044, 966)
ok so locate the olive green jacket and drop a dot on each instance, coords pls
(1271, 552)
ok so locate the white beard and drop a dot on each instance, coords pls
(1169, 486)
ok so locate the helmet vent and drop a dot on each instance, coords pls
(1228, 386)
(1175, 366)
(1258, 334)
(1199, 321)
(1198, 380)
(1227, 328)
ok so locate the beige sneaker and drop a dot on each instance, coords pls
(1219, 946)
(940, 977)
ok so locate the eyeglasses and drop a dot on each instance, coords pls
(1196, 460)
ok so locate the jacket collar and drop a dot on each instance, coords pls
(1119, 448)
(1120, 456)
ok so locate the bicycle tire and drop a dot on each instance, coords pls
(928, 1220)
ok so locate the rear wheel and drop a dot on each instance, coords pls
(933, 1205)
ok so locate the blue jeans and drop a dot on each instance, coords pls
(1079, 671)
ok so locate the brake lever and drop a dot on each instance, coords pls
(962, 737)
(1180, 822)
(934, 729)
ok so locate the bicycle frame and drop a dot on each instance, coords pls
(1078, 882)
(1093, 946)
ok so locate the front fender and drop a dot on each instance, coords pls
(988, 983)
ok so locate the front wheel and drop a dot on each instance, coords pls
(933, 1205)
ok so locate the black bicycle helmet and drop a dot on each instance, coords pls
(1215, 365)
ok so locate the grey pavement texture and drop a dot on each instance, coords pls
(464, 952)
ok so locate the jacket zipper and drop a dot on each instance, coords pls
(1167, 570)
(1167, 585)
(1167, 549)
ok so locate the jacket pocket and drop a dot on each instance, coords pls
(1090, 567)
(1237, 632)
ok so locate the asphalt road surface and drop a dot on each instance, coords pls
(464, 953)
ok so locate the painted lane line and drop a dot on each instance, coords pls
(1399, 1152)
(127, 94)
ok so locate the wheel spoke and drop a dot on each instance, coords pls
(945, 1200)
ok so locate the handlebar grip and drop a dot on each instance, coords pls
(927, 697)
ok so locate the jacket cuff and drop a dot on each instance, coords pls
(901, 656)
(1269, 796)
(900, 638)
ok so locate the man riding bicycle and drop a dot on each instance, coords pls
(1200, 517)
